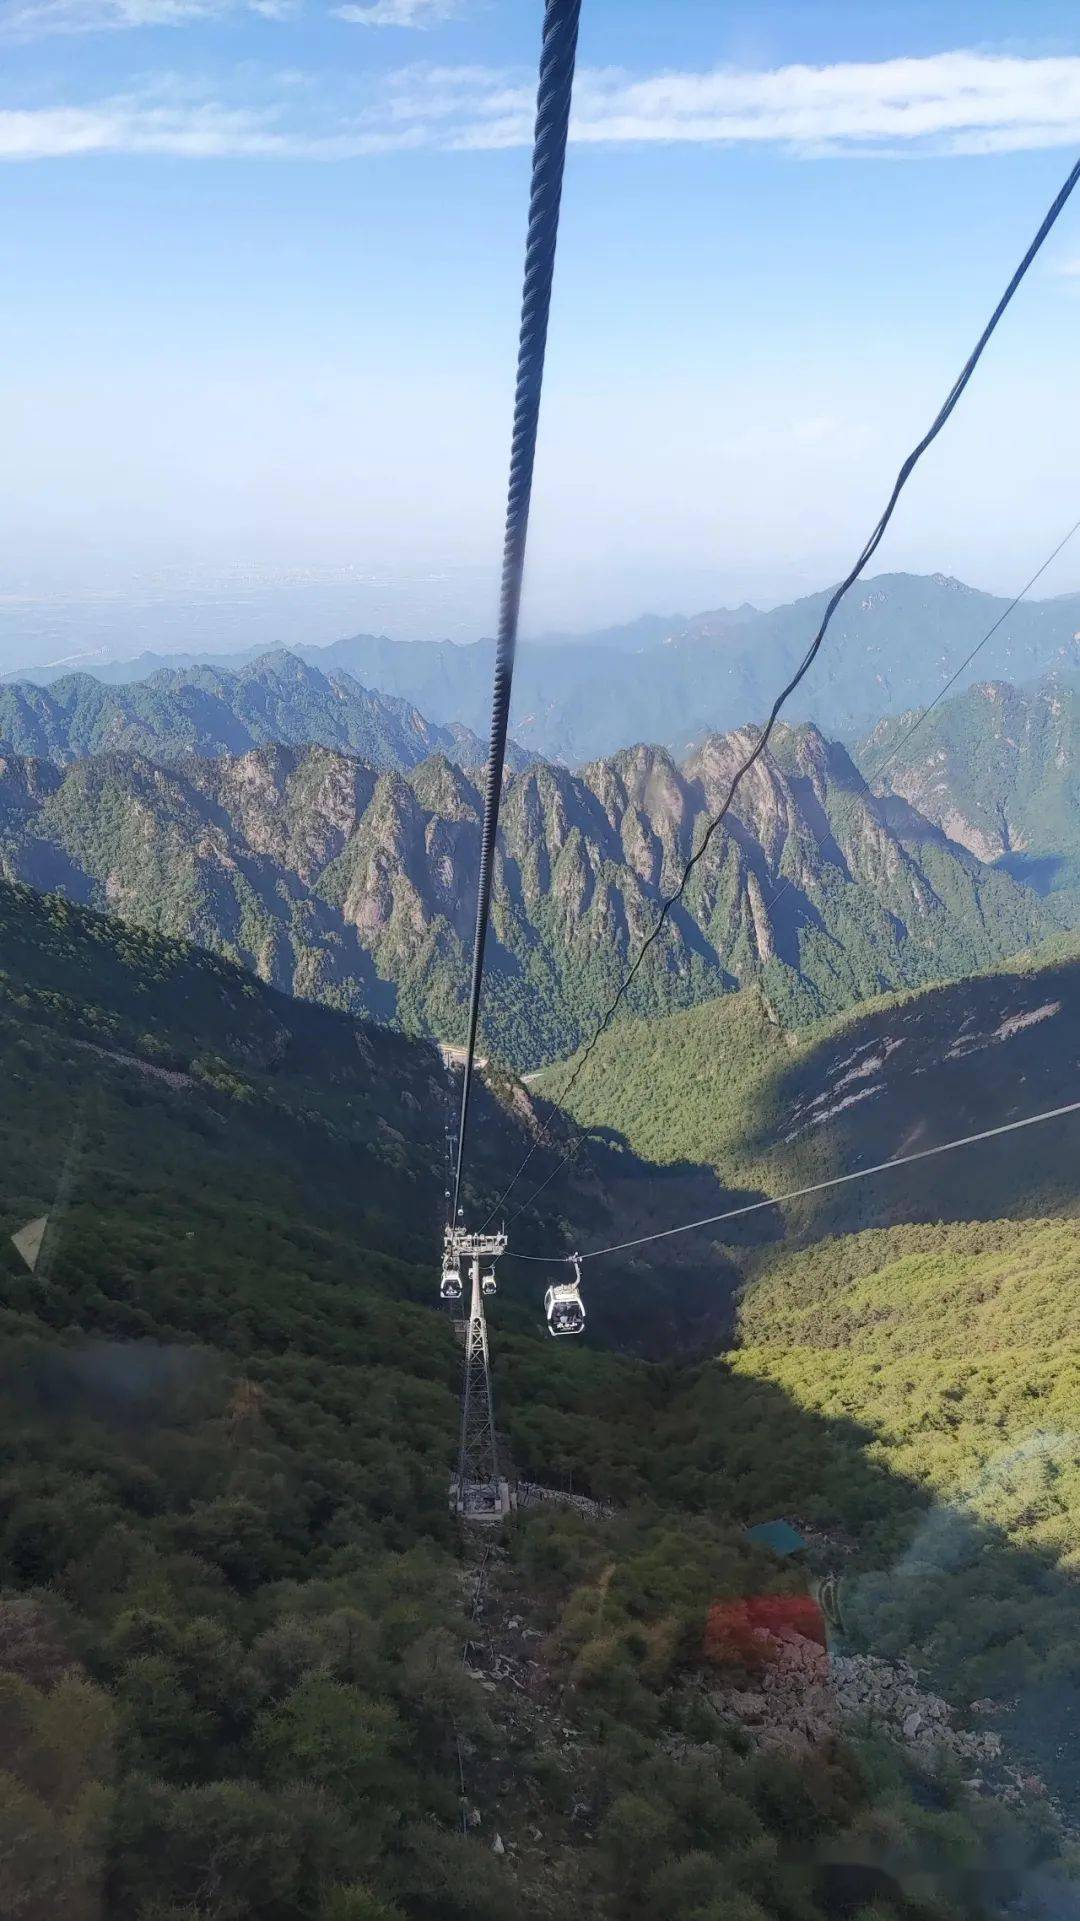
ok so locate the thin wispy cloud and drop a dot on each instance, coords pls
(951, 103)
(961, 102)
(398, 13)
(39, 19)
(210, 131)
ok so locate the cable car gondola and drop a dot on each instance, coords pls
(563, 1305)
(488, 1282)
(450, 1285)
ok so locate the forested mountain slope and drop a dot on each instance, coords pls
(232, 1604)
(958, 1347)
(208, 710)
(727, 1084)
(939, 1344)
(675, 680)
(269, 1096)
(998, 768)
(342, 884)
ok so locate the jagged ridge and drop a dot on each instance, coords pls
(345, 884)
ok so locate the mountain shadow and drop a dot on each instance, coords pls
(229, 1406)
(905, 1077)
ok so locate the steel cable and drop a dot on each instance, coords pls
(799, 1193)
(557, 58)
(872, 544)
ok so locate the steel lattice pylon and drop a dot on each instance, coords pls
(480, 1492)
(478, 1461)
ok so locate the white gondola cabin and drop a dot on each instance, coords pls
(488, 1283)
(564, 1307)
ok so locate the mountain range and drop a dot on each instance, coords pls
(892, 643)
(355, 886)
(253, 1668)
(211, 710)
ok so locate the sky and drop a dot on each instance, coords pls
(261, 271)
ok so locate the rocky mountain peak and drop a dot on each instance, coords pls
(441, 786)
(337, 879)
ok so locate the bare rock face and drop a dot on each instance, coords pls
(995, 768)
(340, 881)
(805, 1696)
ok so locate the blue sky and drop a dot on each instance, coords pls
(262, 268)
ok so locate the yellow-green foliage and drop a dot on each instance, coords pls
(689, 1087)
(958, 1346)
(704, 1085)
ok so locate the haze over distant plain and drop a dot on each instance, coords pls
(257, 355)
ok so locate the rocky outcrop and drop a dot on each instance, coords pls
(805, 1695)
(337, 880)
(995, 768)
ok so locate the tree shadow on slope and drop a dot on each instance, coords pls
(936, 1581)
(667, 1297)
(951, 1062)
(227, 1458)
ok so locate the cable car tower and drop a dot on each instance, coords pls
(478, 1492)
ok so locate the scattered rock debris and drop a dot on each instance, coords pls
(531, 1494)
(798, 1700)
(804, 1696)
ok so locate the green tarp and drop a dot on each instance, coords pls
(778, 1536)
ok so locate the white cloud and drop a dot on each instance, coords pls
(39, 19)
(952, 103)
(397, 13)
(198, 132)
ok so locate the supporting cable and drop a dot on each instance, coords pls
(875, 773)
(798, 1193)
(557, 59)
(944, 413)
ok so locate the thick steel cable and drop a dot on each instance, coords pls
(557, 57)
(869, 550)
(799, 1193)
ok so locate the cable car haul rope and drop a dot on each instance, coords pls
(944, 413)
(799, 1193)
(557, 59)
(478, 1488)
(479, 1491)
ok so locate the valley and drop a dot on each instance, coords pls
(258, 1670)
(227, 1406)
(727, 1085)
